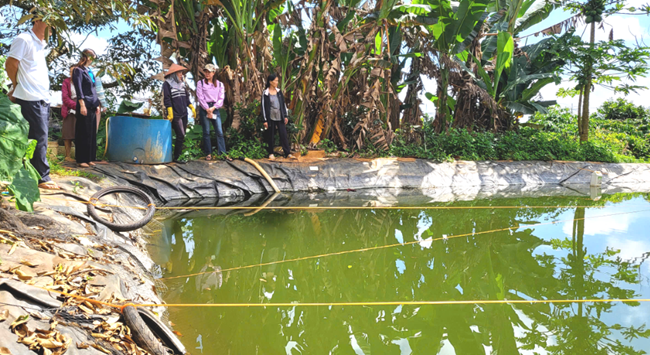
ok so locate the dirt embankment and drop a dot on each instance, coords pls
(59, 248)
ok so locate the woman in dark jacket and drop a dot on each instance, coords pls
(177, 99)
(86, 111)
(274, 113)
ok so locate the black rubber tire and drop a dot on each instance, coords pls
(151, 208)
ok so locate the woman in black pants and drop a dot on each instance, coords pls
(274, 113)
(86, 111)
(177, 100)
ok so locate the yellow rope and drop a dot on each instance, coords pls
(430, 240)
(343, 304)
(106, 147)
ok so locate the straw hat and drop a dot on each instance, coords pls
(175, 68)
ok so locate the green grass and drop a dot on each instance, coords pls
(57, 169)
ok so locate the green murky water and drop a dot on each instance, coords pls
(599, 257)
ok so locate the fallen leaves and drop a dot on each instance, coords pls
(24, 276)
(46, 341)
(29, 263)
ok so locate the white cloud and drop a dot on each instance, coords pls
(99, 45)
(627, 28)
(605, 225)
(629, 249)
(597, 97)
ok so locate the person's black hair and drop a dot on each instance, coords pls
(270, 79)
(84, 57)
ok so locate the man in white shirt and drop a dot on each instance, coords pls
(27, 69)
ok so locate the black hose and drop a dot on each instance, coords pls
(151, 208)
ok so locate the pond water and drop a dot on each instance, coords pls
(596, 250)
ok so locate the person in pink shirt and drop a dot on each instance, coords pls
(211, 93)
(68, 107)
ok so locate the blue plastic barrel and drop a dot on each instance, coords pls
(139, 141)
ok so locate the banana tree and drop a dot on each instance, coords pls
(455, 26)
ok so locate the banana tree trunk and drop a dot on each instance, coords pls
(584, 123)
(443, 108)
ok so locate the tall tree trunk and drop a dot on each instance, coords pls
(412, 115)
(584, 132)
(580, 111)
(443, 86)
(393, 102)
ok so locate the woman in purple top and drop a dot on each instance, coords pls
(211, 93)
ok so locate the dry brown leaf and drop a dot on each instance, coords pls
(82, 346)
(4, 315)
(23, 275)
(50, 344)
(100, 336)
(20, 320)
(4, 351)
(86, 309)
(13, 249)
(30, 340)
(100, 349)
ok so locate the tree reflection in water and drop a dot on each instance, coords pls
(521, 264)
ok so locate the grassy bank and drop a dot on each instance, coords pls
(546, 137)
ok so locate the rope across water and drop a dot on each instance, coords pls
(361, 303)
(429, 240)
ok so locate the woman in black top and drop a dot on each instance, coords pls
(86, 111)
(274, 113)
(177, 99)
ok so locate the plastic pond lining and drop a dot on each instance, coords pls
(238, 180)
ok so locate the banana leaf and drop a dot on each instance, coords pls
(127, 106)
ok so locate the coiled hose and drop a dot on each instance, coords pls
(151, 208)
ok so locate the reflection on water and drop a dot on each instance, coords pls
(590, 257)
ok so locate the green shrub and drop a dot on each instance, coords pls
(527, 144)
(252, 149)
(247, 142)
(557, 120)
(328, 146)
(621, 109)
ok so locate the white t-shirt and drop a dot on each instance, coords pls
(33, 78)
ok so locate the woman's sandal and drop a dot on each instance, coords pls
(271, 157)
(50, 185)
(228, 158)
(68, 159)
(83, 165)
(208, 157)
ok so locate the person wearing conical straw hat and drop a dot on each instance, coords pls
(177, 99)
